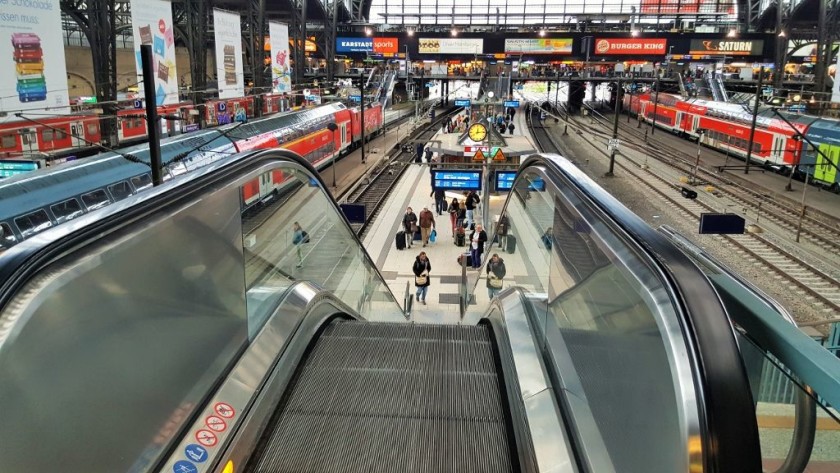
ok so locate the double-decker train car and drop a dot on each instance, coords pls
(726, 127)
(50, 135)
(131, 123)
(32, 202)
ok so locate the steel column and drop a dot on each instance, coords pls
(197, 25)
(255, 43)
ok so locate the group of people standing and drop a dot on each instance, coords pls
(459, 124)
(461, 215)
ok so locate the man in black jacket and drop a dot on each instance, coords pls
(410, 226)
(471, 201)
(440, 199)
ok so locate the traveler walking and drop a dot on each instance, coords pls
(471, 202)
(410, 226)
(454, 210)
(427, 222)
(477, 239)
(440, 200)
(299, 237)
(495, 274)
(422, 267)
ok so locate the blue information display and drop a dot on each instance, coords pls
(462, 102)
(512, 103)
(504, 180)
(457, 180)
(355, 98)
(13, 167)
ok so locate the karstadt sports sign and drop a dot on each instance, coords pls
(367, 45)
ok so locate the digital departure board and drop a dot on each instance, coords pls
(504, 182)
(463, 103)
(456, 180)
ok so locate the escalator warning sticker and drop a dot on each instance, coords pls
(215, 423)
(206, 438)
(196, 453)
(224, 409)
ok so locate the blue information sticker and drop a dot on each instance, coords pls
(184, 466)
(196, 453)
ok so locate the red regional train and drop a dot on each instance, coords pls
(725, 126)
(69, 134)
(35, 201)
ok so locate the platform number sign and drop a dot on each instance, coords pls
(613, 144)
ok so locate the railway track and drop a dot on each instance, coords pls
(374, 187)
(820, 289)
(818, 229)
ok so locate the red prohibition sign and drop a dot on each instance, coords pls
(206, 438)
(215, 423)
(224, 410)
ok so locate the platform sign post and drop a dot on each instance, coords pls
(754, 117)
(615, 125)
(151, 113)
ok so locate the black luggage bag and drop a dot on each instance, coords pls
(400, 240)
(511, 244)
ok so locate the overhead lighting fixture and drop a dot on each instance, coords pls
(542, 32)
(634, 32)
(410, 32)
(797, 98)
(454, 32)
(368, 31)
(732, 33)
(813, 100)
(782, 34)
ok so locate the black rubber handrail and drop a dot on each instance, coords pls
(727, 413)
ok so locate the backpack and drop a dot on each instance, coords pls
(304, 236)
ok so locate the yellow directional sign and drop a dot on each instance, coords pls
(478, 157)
(499, 156)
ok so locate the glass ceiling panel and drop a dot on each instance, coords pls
(513, 12)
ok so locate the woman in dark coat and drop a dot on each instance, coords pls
(422, 267)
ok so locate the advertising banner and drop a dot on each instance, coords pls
(367, 45)
(538, 45)
(638, 46)
(151, 22)
(228, 54)
(32, 57)
(281, 78)
(722, 47)
(672, 6)
(451, 46)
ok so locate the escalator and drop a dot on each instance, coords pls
(392, 397)
(187, 329)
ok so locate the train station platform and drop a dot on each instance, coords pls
(414, 190)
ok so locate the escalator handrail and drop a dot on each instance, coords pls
(731, 438)
(26, 259)
(774, 329)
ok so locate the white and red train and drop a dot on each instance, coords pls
(35, 201)
(64, 135)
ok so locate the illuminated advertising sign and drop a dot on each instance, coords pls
(458, 180)
(723, 47)
(638, 46)
(11, 167)
(367, 45)
(538, 46)
(451, 46)
(673, 6)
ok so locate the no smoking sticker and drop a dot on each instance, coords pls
(224, 410)
(215, 423)
(206, 438)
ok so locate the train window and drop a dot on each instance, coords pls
(48, 135)
(141, 182)
(67, 210)
(32, 223)
(28, 138)
(96, 199)
(7, 237)
(120, 190)
(8, 141)
(60, 134)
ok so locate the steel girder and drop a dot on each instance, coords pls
(97, 21)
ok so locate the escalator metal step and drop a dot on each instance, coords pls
(376, 397)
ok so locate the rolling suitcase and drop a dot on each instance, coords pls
(460, 237)
(511, 244)
(400, 240)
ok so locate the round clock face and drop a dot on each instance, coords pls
(478, 132)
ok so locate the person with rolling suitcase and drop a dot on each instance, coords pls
(409, 226)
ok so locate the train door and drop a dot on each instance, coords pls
(29, 141)
(827, 161)
(265, 184)
(77, 133)
(678, 123)
(695, 123)
(344, 139)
